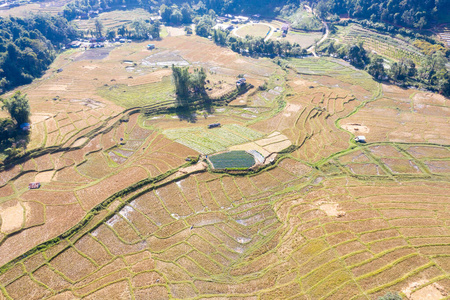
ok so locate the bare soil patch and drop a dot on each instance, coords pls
(44, 176)
(356, 128)
(95, 54)
(11, 214)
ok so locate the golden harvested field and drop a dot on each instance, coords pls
(122, 213)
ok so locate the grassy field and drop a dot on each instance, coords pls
(257, 30)
(140, 95)
(123, 212)
(208, 141)
(232, 160)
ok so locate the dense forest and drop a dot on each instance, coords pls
(14, 132)
(27, 47)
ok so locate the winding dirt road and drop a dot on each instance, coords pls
(312, 49)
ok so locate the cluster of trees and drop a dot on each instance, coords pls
(299, 18)
(431, 73)
(79, 8)
(188, 86)
(139, 29)
(175, 15)
(410, 13)
(27, 46)
(205, 23)
(12, 137)
(257, 46)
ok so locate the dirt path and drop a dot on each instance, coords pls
(272, 30)
(312, 49)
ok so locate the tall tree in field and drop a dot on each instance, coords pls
(198, 81)
(18, 107)
(181, 80)
(155, 29)
(98, 28)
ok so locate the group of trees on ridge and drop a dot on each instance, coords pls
(12, 137)
(431, 73)
(27, 46)
(139, 29)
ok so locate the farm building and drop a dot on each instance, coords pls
(242, 19)
(34, 185)
(241, 81)
(214, 125)
(25, 126)
(360, 139)
(224, 27)
(75, 44)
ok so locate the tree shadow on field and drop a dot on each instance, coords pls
(189, 112)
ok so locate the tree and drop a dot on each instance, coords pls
(322, 9)
(176, 17)
(181, 80)
(204, 26)
(220, 37)
(98, 28)
(390, 296)
(376, 68)
(18, 107)
(155, 29)
(357, 55)
(141, 29)
(6, 127)
(197, 81)
(110, 33)
(165, 12)
(331, 49)
(186, 12)
(430, 65)
(187, 84)
(122, 30)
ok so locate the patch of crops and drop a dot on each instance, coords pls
(208, 141)
(232, 160)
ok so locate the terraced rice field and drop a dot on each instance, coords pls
(124, 212)
(113, 19)
(384, 45)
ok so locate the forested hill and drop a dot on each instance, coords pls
(411, 13)
(27, 47)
